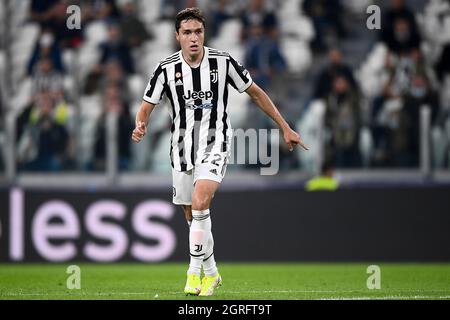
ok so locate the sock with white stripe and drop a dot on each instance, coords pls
(198, 239)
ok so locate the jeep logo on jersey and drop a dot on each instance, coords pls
(198, 95)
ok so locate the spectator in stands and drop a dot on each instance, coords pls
(398, 11)
(99, 10)
(46, 78)
(114, 103)
(131, 28)
(343, 123)
(403, 39)
(117, 49)
(220, 11)
(258, 15)
(325, 181)
(326, 16)
(46, 47)
(420, 94)
(409, 84)
(263, 57)
(44, 144)
(442, 66)
(335, 67)
(43, 12)
(102, 75)
(52, 15)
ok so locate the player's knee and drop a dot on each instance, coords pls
(201, 202)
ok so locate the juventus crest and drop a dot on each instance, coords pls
(214, 75)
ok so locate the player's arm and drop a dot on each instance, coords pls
(142, 117)
(265, 103)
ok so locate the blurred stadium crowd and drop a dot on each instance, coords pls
(354, 94)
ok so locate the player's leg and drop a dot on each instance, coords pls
(201, 239)
(182, 196)
(207, 177)
(187, 209)
(200, 231)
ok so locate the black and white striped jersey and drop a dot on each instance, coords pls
(198, 103)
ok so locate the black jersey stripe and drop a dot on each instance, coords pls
(182, 128)
(230, 81)
(239, 69)
(153, 80)
(214, 85)
(198, 113)
(225, 115)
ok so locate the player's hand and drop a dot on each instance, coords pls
(292, 138)
(139, 132)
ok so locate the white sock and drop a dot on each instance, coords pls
(209, 263)
(198, 239)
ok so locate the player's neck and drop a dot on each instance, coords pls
(193, 60)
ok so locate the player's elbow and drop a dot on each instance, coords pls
(255, 93)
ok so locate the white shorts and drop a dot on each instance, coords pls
(212, 166)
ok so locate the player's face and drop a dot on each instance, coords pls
(191, 36)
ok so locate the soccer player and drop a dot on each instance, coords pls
(195, 80)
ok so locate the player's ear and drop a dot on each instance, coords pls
(177, 36)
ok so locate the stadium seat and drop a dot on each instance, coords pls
(136, 87)
(90, 111)
(148, 11)
(238, 108)
(230, 31)
(160, 162)
(22, 48)
(88, 56)
(297, 54)
(23, 95)
(370, 70)
(297, 27)
(152, 57)
(163, 33)
(96, 32)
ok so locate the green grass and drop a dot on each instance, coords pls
(240, 281)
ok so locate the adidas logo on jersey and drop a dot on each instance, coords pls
(179, 82)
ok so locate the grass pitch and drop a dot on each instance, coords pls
(251, 281)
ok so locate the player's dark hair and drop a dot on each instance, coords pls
(189, 14)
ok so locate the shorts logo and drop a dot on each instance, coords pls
(213, 171)
(214, 75)
(198, 247)
(174, 191)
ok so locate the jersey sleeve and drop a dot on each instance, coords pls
(238, 76)
(155, 87)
